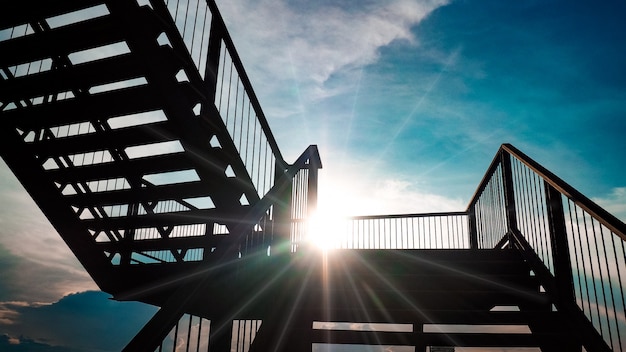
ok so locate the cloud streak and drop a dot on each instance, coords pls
(37, 265)
(296, 51)
(614, 203)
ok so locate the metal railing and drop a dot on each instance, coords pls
(191, 334)
(398, 231)
(195, 29)
(288, 203)
(406, 231)
(201, 30)
(575, 247)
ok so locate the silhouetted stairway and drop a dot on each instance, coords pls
(107, 122)
(419, 298)
(135, 129)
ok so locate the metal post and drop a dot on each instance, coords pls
(509, 194)
(315, 164)
(155, 330)
(220, 335)
(213, 58)
(312, 190)
(560, 246)
(282, 216)
(471, 224)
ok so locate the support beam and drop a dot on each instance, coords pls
(220, 335)
(153, 333)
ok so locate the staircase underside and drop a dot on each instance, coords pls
(115, 136)
(479, 298)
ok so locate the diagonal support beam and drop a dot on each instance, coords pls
(153, 333)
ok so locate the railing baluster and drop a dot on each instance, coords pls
(560, 246)
(509, 195)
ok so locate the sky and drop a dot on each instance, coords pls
(408, 102)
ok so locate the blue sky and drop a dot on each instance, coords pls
(408, 102)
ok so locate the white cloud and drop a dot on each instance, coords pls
(353, 188)
(614, 203)
(293, 52)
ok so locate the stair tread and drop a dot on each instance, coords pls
(84, 76)
(79, 36)
(24, 11)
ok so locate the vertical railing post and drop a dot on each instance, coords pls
(314, 165)
(213, 57)
(472, 228)
(281, 239)
(560, 247)
(509, 194)
(220, 334)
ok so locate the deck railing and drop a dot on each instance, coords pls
(273, 220)
(201, 30)
(575, 247)
(398, 231)
(202, 46)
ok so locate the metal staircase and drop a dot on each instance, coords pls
(134, 127)
(423, 298)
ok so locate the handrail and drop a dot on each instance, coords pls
(408, 215)
(576, 248)
(309, 159)
(201, 32)
(495, 162)
(246, 82)
(441, 230)
(607, 219)
(604, 217)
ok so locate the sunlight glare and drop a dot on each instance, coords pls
(325, 230)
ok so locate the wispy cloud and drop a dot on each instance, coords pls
(614, 203)
(37, 265)
(295, 51)
(344, 191)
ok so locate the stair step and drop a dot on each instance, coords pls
(121, 102)
(140, 166)
(23, 11)
(424, 262)
(454, 281)
(112, 139)
(140, 195)
(362, 298)
(190, 217)
(429, 316)
(62, 41)
(426, 255)
(428, 339)
(84, 76)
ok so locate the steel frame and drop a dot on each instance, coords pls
(240, 262)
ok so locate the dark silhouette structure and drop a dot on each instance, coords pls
(134, 127)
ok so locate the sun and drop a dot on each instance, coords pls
(329, 225)
(326, 230)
